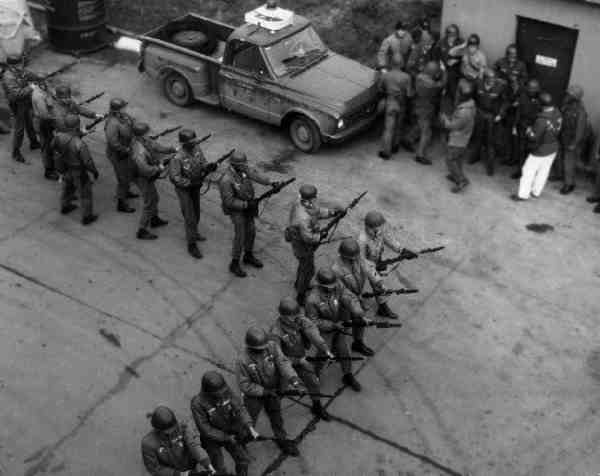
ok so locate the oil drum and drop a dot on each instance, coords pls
(77, 26)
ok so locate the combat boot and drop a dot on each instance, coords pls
(89, 219)
(68, 209)
(349, 380)
(122, 207)
(17, 156)
(194, 251)
(423, 160)
(156, 222)
(384, 310)
(252, 260)
(143, 234)
(236, 269)
(319, 411)
(288, 447)
(384, 155)
(360, 347)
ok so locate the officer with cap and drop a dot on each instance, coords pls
(572, 135)
(395, 48)
(173, 448)
(492, 103)
(263, 372)
(223, 422)
(118, 129)
(295, 333)
(352, 273)
(304, 234)
(528, 109)
(460, 127)
(74, 162)
(511, 66)
(147, 169)
(373, 240)
(329, 305)
(396, 86)
(16, 82)
(187, 171)
(238, 202)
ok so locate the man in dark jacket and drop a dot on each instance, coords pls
(74, 162)
(543, 137)
(527, 112)
(572, 135)
(173, 448)
(223, 422)
(511, 65)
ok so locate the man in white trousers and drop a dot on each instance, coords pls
(543, 141)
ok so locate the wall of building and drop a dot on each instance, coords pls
(495, 21)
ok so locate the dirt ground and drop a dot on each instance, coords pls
(496, 371)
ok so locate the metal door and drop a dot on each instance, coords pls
(548, 51)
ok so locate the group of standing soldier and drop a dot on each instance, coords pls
(490, 114)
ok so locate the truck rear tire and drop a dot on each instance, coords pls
(177, 89)
(304, 134)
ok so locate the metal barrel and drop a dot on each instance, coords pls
(77, 26)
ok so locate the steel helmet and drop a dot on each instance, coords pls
(163, 418)
(349, 248)
(213, 383)
(288, 306)
(308, 192)
(72, 122)
(238, 158)
(116, 104)
(374, 219)
(533, 87)
(256, 339)
(326, 278)
(546, 99)
(186, 135)
(140, 128)
(63, 92)
(432, 69)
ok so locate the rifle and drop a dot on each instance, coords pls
(302, 393)
(165, 132)
(275, 189)
(378, 325)
(337, 359)
(199, 140)
(219, 161)
(384, 263)
(92, 99)
(336, 219)
(62, 69)
(89, 127)
(389, 292)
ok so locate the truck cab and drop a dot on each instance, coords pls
(282, 74)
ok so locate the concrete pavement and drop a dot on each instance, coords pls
(495, 371)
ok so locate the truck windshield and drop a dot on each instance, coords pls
(295, 52)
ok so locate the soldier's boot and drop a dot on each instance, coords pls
(156, 222)
(17, 156)
(194, 251)
(597, 208)
(384, 310)
(123, 207)
(143, 234)
(288, 447)
(567, 189)
(362, 348)
(51, 174)
(131, 194)
(252, 260)
(319, 411)
(349, 380)
(89, 219)
(384, 155)
(236, 269)
(35, 145)
(68, 209)
(423, 160)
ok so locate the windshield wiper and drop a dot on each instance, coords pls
(302, 67)
(305, 56)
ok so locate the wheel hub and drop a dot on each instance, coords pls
(303, 133)
(178, 89)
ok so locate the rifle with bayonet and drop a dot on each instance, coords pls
(275, 189)
(389, 292)
(92, 99)
(337, 218)
(42, 79)
(89, 128)
(335, 359)
(382, 264)
(211, 167)
(376, 324)
(199, 140)
(165, 132)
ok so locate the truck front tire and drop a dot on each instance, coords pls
(304, 134)
(177, 89)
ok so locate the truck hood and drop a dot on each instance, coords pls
(336, 81)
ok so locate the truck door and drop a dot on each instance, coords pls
(244, 82)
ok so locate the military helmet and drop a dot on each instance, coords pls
(326, 278)
(575, 91)
(546, 99)
(489, 73)
(163, 418)
(63, 92)
(72, 122)
(186, 135)
(238, 158)
(140, 128)
(308, 192)
(256, 339)
(432, 69)
(288, 306)
(213, 383)
(533, 86)
(374, 219)
(349, 248)
(116, 104)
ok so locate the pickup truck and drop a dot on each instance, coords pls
(287, 77)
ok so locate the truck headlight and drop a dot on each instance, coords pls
(340, 124)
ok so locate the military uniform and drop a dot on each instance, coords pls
(62, 107)
(427, 103)
(460, 127)
(218, 420)
(74, 162)
(571, 138)
(269, 371)
(491, 105)
(165, 457)
(43, 108)
(510, 135)
(396, 86)
(304, 234)
(420, 54)
(236, 190)
(394, 48)
(119, 136)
